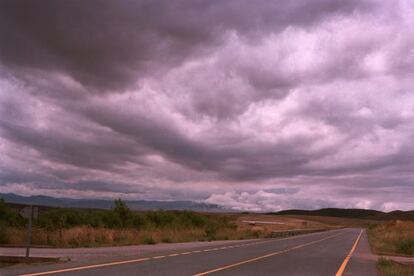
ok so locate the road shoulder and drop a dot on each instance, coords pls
(362, 262)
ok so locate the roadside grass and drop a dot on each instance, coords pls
(392, 238)
(94, 228)
(66, 227)
(390, 268)
(87, 236)
(324, 221)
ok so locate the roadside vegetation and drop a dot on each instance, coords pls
(390, 268)
(119, 226)
(392, 238)
(8, 218)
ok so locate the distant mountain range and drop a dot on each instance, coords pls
(352, 213)
(47, 201)
(107, 204)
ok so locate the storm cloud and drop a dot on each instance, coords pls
(254, 105)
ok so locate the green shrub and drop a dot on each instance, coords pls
(149, 240)
(160, 219)
(211, 231)
(372, 226)
(137, 221)
(54, 219)
(189, 219)
(3, 238)
(390, 268)
(406, 246)
(384, 262)
(9, 216)
(166, 240)
(122, 210)
(111, 220)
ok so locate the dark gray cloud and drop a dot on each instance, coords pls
(257, 105)
(108, 45)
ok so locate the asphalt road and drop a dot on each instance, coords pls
(342, 251)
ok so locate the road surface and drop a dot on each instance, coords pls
(338, 252)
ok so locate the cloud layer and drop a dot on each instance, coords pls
(258, 106)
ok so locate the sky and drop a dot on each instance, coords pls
(252, 105)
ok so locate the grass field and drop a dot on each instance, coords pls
(62, 227)
(392, 238)
(87, 236)
(66, 227)
(216, 227)
(333, 221)
(390, 268)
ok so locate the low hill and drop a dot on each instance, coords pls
(352, 213)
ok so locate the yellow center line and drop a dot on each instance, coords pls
(345, 262)
(173, 255)
(86, 267)
(265, 256)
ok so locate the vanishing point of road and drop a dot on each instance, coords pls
(337, 252)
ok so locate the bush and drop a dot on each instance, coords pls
(406, 247)
(137, 221)
(189, 219)
(118, 226)
(390, 268)
(111, 220)
(211, 231)
(166, 240)
(160, 219)
(53, 219)
(9, 216)
(123, 212)
(372, 226)
(3, 236)
(149, 240)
